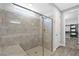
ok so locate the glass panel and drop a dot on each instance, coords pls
(48, 41)
(20, 31)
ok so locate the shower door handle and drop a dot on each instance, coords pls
(44, 30)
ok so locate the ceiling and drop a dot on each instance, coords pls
(43, 8)
(64, 6)
(47, 9)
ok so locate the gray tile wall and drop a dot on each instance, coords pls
(26, 34)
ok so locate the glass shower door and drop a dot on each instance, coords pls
(47, 36)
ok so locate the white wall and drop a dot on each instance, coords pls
(56, 28)
(71, 19)
(62, 30)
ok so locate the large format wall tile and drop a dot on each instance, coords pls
(26, 33)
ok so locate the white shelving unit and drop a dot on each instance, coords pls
(73, 30)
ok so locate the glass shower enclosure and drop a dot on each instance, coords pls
(47, 35)
(23, 32)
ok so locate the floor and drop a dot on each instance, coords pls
(38, 51)
(71, 49)
(13, 50)
(16, 50)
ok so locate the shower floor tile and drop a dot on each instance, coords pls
(37, 51)
(14, 50)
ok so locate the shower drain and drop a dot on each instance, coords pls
(36, 52)
(27, 54)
